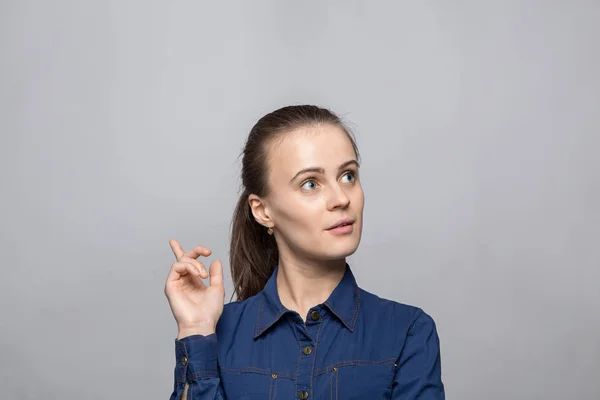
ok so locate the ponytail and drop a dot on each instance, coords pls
(253, 253)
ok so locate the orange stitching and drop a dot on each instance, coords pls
(262, 302)
(315, 357)
(350, 363)
(256, 370)
(337, 371)
(331, 387)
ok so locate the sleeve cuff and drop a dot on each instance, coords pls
(196, 357)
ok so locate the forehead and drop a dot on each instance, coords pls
(326, 146)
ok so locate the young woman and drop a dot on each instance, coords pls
(301, 327)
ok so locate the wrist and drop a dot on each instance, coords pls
(204, 329)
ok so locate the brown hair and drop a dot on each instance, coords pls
(253, 254)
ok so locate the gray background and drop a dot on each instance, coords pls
(478, 123)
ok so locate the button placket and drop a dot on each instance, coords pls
(307, 349)
(306, 362)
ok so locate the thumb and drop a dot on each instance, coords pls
(216, 274)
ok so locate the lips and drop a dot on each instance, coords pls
(341, 222)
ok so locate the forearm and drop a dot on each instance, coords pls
(196, 370)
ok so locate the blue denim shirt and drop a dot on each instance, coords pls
(355, 345)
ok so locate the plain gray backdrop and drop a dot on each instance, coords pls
(479, 127)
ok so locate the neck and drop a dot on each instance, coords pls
(304, 284)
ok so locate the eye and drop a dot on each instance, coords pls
(350, 176)
(310, 184)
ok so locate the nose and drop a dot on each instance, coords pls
(337, 198)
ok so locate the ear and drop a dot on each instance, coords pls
(260, 211)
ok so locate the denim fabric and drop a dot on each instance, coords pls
(355, 345)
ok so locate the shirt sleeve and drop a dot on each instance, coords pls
(418, 373)
(196, 364)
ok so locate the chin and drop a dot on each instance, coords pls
(340, 252)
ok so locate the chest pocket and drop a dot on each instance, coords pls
(362, 380)
(253, 383)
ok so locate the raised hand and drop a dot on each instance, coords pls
(196, 306)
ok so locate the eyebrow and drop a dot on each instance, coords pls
(322, 171)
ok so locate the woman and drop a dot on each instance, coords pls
(301, 328)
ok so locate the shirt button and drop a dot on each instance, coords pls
(307, 350)
(314, 315)
(303, 395)
(184, 360)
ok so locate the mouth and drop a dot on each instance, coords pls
(341, 223)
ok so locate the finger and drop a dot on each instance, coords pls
(175, 272)
(198, 251)
(194, 274)
(177, 249)
(216, 273)
(183, 268)
(198, 265)
(180, 269)
(192, 270)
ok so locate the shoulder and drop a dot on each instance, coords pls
(239, 311)
(237, 307)
(400, 316)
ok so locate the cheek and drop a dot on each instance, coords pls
(358, 197)
(298, 215)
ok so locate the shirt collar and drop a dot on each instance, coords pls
(344, 303)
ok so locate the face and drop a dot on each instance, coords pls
(313, 186)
